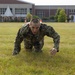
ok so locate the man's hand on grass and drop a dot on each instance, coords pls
(53, 51)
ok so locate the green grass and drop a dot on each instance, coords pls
(63, 63)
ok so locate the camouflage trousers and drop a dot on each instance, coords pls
(37, 46)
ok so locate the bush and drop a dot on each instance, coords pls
(62, 16)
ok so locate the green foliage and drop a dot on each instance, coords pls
(31, 63)
(52, 17)
(28, 17)
(62, 16)
(34, 16)
(45, 18)
(57, 14)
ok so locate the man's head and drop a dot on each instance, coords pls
(34, 25)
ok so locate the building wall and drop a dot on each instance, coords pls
(52, 9)
(13, 6)
(39, 10)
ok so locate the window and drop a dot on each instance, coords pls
(2, 10)
(40, 13)
(30, 10)
(11, 9)
(72, 10)
(20, 10)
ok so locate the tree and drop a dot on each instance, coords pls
(62, 17)
(34, 16)
(28, 17)
(57, 13)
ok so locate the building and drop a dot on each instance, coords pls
(17, 8)
(20, 9)
(47, 11)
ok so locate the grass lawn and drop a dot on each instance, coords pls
(63, 63)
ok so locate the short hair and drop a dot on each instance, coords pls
(35, 20)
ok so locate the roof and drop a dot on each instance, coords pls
(13, 2)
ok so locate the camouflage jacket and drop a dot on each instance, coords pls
(25, 33)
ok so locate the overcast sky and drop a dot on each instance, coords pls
(51, 2)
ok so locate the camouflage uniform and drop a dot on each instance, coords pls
(36, 41)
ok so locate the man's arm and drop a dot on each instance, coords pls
(56, 38)
(17, 44)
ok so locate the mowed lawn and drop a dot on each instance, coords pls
(63, 63)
